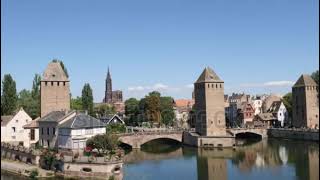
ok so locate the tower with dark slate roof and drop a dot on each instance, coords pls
(209, 104)
(108, 91)
(54, 89)
(305, 103)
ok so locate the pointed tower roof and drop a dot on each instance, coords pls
(108, 74)
(208, 75)
(305, 80)
(54, 72)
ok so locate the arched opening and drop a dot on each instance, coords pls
(247, 138)
(161, 145)
(126, 147)
(17, 158)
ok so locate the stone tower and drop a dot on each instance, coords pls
(54, 89)
(108, 91)
(305, 109)
(209, 104)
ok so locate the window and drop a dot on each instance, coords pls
(88, 131)
(42, 132)
(32, 137)
(14, 129)
(58, 83)
(48, 142)
(17, 120)
(46, 83)
(53, 131)
(64, 83)
(51, 83)
(212, 85)
(216, 85)
(48, 131)
(208, 85)
(26, 120)
(220, 86)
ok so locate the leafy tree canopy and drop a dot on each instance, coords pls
(9, 95)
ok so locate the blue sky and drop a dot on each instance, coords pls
(254, 46)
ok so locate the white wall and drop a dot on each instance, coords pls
(282, 114)
(19, 134)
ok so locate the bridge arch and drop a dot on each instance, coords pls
(248, 135)
(135, 141)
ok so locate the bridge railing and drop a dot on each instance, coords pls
(149, 133)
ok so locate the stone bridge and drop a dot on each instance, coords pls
(135, 140)
(258, 131)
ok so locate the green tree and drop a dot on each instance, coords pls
(152, 109)
(76, 103)
(287, 101)
(87, 99)
(132, 111)
(315, 76)
(166, 108)
(104, 109)
(35, 94)
(103, 143)
(115, 128)
(9, 95)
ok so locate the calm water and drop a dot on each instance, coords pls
(267, 159)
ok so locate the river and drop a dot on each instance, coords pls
(267, 159)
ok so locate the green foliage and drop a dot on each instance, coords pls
(116, 128)
(87, 98)
(76, 103)
(132, 111)
(152, 109)
(9, 96)
(287, 101)
(167, 113)
(33, 174)
(103, 142)
(112, 178)
(315, 76)
(104, 109)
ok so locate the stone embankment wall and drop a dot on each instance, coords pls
(19, 153)
(309, 135)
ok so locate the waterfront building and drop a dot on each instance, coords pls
(12, 128)
(48, 127)
(74, 132)
(235, 102)
(279, 111)
(32, 129)
(55, 89)
(257, 105)
(305, 101)
(111, 96)
(245, 114)
(264, 120)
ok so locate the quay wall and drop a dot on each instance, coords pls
(294, 134)
(19, 153)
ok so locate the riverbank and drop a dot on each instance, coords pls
(23, 169)
(294, 134)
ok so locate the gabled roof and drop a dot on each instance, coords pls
(6, 119)
(305, 80)
(266, 116)
(54, 72)
(183, 102)
(33, 124)
(80, 121)
(208, 75)
(107, 119)
(53, 116)
(275, 106)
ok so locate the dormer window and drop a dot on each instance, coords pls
(53, 75)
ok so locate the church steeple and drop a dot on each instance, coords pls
(108, 91)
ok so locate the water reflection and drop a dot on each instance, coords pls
(276, 159)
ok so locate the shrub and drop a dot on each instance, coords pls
(115, 128)
(34, 173)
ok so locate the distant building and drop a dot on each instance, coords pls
(279, 111)
(264, 120)
(305, 109)
(74, 132)
(266, 104)
(257, 104)
(209, 104)
(111, 96)
(245, 114)
(182, 108)
(55, 89)
(112, 119)
(235, 103)
(12, 128)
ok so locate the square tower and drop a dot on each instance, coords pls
(54, 89)
(305, 103)
(209, 104)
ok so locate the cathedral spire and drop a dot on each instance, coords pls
(108, 75)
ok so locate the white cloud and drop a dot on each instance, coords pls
(189, 86)
(269, 84)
